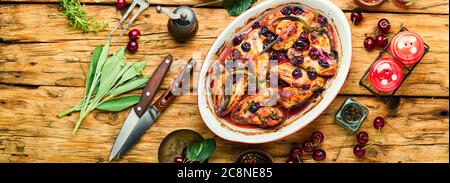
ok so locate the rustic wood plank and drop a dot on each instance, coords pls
(430, 6)
(31, 132)
(59, 57)
(23, 23)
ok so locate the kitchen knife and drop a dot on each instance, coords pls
(149, 117)
(137, 111)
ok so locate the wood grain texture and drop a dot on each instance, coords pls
(42, 67)
(34, 51)
(31, 132)
(435, 6)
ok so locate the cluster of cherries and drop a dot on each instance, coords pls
(134, 34)
(133, 45)
(380, 39)
(308, 146)
(363, 138)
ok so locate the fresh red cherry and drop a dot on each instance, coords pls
(356, 17)
(296, 152)
(308, 146)
(359, 150)
(381, 41)
(319, 155)
(362, 137)
(378, 123)
(369, 43)
(384, 25)
(132, 46)
(317, 137)
(134, 34)
(121, 4)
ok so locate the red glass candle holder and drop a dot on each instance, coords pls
(394, 64)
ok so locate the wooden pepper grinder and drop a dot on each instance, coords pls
(183, 24)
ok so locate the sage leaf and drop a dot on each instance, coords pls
(119, 104)
(103, 57)
(236, 7)
(122, 71)
(76, 107)
(132, 72)
(201, 151)
(110, 71)
(94, 85)
(92, 66)
(128, 86)
(107, 77)
(111, 105)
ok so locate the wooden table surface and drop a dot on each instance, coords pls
(43, 64)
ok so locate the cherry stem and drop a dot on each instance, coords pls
(379, 137)
(367, 146)
(298, 158)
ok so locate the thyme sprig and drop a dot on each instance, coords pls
(77, 18)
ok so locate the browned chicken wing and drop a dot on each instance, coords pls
(293, 97)
(288, 31)
(227, 89)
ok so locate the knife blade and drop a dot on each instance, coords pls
(153, 112)
(137, 111)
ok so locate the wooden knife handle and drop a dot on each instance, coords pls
(164, 101)
(174, 89)
(152, 86)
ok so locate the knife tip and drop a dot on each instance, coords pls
(112, 156)
(169, 56)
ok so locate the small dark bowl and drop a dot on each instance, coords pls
(369, 6)
(254, 156)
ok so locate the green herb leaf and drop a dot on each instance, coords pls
(134, 71)
(77, 18)
(209, 145)
(236, 7)
(92, 66)
(102, 84)
(112, 105)
(110, 71)
(119, 104)
(201, 151)
(194, 150)
(103, 57)
(128, 86)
